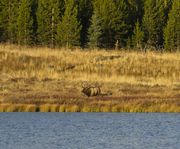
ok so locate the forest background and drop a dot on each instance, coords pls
(131, 24)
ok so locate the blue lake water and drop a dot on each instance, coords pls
(89, 131)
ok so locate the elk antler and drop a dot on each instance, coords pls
(84, 85)
(96, 84)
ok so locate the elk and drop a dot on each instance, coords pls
(93, 90)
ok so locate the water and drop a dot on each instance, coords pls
(89, 131)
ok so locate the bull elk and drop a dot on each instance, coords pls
(93, 90)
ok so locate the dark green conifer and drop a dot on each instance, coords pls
(172, 30)
(111, 18)
(138, 36)
(25, 23)
(69, 28)
(95, 31)
(8, 16)
(48, 16)
(153, 22)
(84, 16)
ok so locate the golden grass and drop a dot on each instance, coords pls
(44, 108)
(30, 108)
(72, 108)
(88, 108)
(62, 108)
(54, 108)
(96, 65)
(49, 80)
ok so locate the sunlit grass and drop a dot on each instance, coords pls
(54, 108)
(30, 108)
(72, 108)
(62, 108)
(33, 80)
(96, 65)
(88, 108)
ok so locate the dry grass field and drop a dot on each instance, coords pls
(50, 80)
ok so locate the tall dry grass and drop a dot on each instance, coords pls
(140, 82)
(150, 68)
(95, 65)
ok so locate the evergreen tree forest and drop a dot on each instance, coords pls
(109, 24)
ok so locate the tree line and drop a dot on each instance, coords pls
(108, 24)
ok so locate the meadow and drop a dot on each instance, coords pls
(39, 79)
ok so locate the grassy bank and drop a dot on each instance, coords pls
(125, 107)
(42, 79)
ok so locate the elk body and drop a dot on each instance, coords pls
(93, 90)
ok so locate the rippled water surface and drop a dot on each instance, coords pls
(89, 131)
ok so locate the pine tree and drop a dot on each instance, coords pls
(95, 31)
(1, 22)
(109, 15)
(138, 36)
(134, 11)
(153, 22)
(25, 23)
(111, 20)
(172, 30)
(69, 28)
(167, 7)
(135, 8)
(84, 16)
(123, 25)
(8, 16)
(48, 16)
(35, 24)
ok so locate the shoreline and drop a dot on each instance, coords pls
(156, 108)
